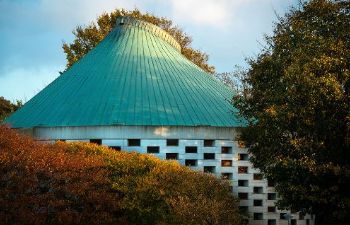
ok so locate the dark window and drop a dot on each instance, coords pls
(271, 209)
(96, 141)
(243, 169)
(270, 183)
(258, 202)
(134, 142)
(283, 216)
(226, 163)
(191, 162)
(209, 155)
(117, 148)
(301, 216)
(243, 183)
(172, 142)
(258, 190)
(257, 176)
(293, 222)
(191, 149)
(307, 221)
(243, 156)
(258, 216)
(209, 143)
(271, 196)
(226, 150)
(243, 209)
(226, 176)
(209, 169)
(242, 195)
(172, 155)
(271, 222)
(153, 149)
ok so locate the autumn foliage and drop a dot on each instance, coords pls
(82, 183)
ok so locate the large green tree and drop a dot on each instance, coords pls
(298, 109)
(89, 36)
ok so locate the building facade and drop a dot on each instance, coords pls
(135, 91)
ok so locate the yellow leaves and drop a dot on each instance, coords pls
(271, 111)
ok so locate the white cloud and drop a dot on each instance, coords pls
(217, 13)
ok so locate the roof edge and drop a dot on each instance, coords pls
(123, 21)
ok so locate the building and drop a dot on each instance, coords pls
(135, 91)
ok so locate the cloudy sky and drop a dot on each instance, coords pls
(32, 33)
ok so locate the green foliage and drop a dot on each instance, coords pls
(298, 105)
(88, 37)
(6, 107)
(83, 183)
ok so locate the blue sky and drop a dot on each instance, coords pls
(32, 33)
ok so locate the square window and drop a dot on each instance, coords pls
(96, 141)
(283, 216)
(226, 163)
(134, 142)
(172, 156)
(243, 183)
(209, 156)
(271, 222)
(226, 150)
(257, 176)
(172, 142)
(191, 149)
(243, 157)
(271, 196)
(271, 209)
(226, 176)
(243, 169)
(258, 202)
(258, 190)
(242, 195)
(191, 162)
(243, 209)
(258, 216)
(153, 149)
(117, 148)
(209, 143)
(209, 169)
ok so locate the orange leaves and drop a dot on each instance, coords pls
(83, 183)
(53, 183)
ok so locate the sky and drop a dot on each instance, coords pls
(32, 33)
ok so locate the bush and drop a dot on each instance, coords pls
(82, 183)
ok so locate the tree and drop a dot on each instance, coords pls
(88, 37)
(6, 107)
(83, 183)
(298, 110)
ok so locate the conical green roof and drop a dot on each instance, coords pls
(135, 76)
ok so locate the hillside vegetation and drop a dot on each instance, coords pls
(82, 183)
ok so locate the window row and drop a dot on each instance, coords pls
(175, 142)
(244, 196)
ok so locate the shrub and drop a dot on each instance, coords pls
(82, 183)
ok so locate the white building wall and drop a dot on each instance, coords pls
(118, 136)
